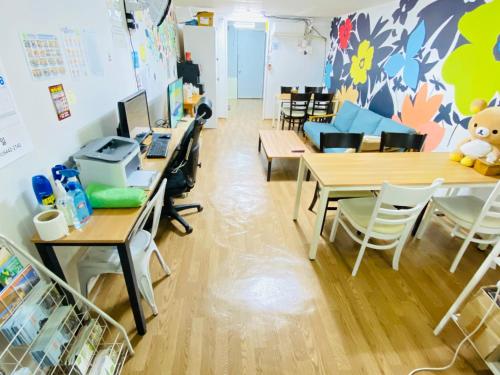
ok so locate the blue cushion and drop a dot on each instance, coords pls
(345, 116)
(313, 130)
(391, 126)
(365, 122)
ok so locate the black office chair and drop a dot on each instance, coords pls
(339, 140)
(402, 141)
(321, 105)
(313, 89)
(297, 112)
(182, 169)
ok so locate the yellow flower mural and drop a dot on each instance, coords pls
(362, 62)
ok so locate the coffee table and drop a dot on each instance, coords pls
(280, 144)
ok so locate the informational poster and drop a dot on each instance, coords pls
(117, 21)
(60, 101)
(14, 138)
(43, 55)
(74, 53)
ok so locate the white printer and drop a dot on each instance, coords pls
(109, 160)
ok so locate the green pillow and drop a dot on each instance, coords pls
(104, 196)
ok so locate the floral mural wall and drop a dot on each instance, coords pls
(422, 63)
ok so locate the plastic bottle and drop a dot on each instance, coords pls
(64, 203)
(71, 175)
(81, 212)
(43, 192)
(56, 175)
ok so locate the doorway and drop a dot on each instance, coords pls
(246, 59)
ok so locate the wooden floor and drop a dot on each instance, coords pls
(243, 298)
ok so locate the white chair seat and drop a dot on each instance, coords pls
(360, 210)
(295, 114)
(316, 112)
(465, 210)
(341, 194)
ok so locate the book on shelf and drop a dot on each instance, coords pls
(9, 267)
(26, 322)
(105, 362)
(86, 344)
(55, 336)
(12, 295)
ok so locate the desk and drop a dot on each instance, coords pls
(368, 171)
(190, 104)
(112, 227)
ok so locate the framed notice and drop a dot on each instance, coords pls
(14, 138)
(60, 101)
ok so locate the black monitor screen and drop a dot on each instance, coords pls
(134, 115)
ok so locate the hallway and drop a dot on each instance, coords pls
(243, 298)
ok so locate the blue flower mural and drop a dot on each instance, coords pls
(410, 44)
(408, 62)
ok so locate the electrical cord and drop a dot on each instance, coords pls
(455, 356)
(133, 49)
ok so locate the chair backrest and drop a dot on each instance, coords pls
(186, 154)
(403, 141)
(340, 140)
(409, 203)
(154, 206)
(313, 89)
(286, 89)
(322, 103)
(299, 103)
(490, 210)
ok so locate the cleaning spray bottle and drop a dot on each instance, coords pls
(78, 201)
(64, 203)
(71, 175)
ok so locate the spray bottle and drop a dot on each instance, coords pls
(64, 203)
(71, 175)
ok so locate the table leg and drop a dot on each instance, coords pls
(300, 180)
(260, 143)
(49, 259)
(323, 201)
(131, 283)
(269, 163)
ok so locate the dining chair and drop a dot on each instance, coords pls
(339, 141)
(142, 246)
(402, 141)
(474, 220)
(321, 104)
(286, 89)
(313, 89)
(296, 113)
(377, 218)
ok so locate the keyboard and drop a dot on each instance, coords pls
(159, 146)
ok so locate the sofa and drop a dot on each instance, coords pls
(353, 119)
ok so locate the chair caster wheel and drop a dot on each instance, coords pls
(200, 208)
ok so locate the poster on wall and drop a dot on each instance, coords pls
(117, 21)
(43, 55)
(60, 101)
(14, 139)
(74, 53)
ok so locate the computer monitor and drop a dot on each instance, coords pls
(175, 102)
(133, 113)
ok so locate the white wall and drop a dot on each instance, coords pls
(93, 100)
(286, 63)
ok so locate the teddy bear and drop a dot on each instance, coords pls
(484, 140)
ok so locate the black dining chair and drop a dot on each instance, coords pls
(339, 140)
(296, 113)
(313, 89)
(286, 89)
(321, 104)
(402, 141)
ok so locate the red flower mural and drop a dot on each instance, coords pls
(345, 33)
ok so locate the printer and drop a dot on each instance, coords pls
(109, 160)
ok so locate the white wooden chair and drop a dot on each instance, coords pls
(378, 218)
(142, 246)
(474, 219)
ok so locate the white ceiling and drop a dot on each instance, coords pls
(306, 8)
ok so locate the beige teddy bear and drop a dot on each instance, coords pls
(484, 140)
